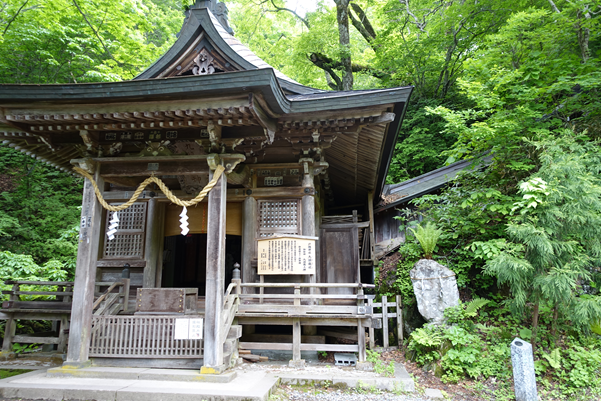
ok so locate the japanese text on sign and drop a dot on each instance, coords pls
(292, 254)
(188, 329)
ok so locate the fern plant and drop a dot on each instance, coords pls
(472, 307)
(428, 237)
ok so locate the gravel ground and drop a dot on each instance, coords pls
(287, 393)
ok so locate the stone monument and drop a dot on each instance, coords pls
(435, 289)
(524, 378)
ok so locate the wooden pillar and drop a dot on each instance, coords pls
(85, 275)
(213, 349)
(249, 231)
(372, 238)
(308, 229)
(361, 341)
(152, 244)
(160, 237)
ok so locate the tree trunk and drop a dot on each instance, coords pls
(345, 43)
(554, 325)
(534, 325)
(584, 34)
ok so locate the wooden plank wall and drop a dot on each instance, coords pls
(386, 226)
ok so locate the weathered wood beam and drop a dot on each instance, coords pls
(85, 275)
(249, 230)
(269, 124)
(152, 244)
(213, 348)
(148, 168)
(233, 195)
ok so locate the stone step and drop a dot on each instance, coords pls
(150, 385)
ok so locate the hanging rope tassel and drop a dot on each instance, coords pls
(113, 226)
(184, 221)
(218, 171)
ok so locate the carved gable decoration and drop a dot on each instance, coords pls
(203, 63)
(201, 59)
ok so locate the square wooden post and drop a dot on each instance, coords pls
(152, 243)
(249, 231)
(85, 276)
(213, 349)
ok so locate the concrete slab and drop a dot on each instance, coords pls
(249, 382)
(96, 373)
(185, 375)
(433, 393)
(140, 374)
(37, 385)
(401, 381)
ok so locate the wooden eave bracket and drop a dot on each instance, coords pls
(15, 121)
(269, 124)
(87, 164)
(229, 161)
(318, 167)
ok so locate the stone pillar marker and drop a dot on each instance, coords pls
(523, 371)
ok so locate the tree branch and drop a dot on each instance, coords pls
(17, 14)
(362, 26)
(324, 63)
(321, 61)
(277, 9)
(95, 32)
(554, 6)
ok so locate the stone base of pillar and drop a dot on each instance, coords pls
(212, 370)
(300, 364)
(365, 366)
(7, 355)
(77, 365)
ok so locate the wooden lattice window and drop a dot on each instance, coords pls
(129, 238)
(279, 217)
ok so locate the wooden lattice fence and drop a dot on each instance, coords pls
(386, 315)
(140, 337)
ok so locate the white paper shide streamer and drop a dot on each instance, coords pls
(113, 225)
(183, 219)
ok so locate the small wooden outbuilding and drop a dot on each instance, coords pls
(294, 173)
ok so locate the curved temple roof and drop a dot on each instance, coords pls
(262, 112)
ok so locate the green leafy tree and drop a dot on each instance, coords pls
(55, 41)
(555, 234)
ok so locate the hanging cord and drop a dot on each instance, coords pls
(218, 171)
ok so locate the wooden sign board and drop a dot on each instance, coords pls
(286, 254)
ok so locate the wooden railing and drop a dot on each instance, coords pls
(385, 315)
(58, 310)
(230, 308)
(310, 309)
(109, 302)
(139, 337)
(310, 303)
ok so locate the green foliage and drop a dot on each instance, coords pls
(379, 366)
(427, 236)
(555, 231)
(396, 280)
(40, 210)
(54, 41)
(554, 358)
(22, 267)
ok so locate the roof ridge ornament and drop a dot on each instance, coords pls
(218, 9)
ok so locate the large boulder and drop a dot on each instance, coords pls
(435, 289)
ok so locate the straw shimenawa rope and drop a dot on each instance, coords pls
(218, 171)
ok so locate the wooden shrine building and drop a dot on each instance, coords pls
(294, 172)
